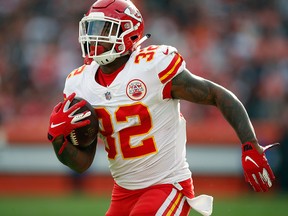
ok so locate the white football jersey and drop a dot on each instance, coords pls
(144, 133)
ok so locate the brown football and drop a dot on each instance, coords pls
(86, 135)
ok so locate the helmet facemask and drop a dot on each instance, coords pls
(97, 33)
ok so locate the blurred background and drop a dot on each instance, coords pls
(241, 45)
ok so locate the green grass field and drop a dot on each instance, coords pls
(254, 205)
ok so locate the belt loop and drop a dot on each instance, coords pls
(178, 186)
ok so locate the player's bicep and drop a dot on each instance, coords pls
(190, 87)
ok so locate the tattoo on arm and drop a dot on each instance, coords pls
(198, 90)
(235, 113)
(191, 88)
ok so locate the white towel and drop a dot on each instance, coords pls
(202, 204)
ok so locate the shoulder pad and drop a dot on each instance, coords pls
(167, 50)
(153, 54)
(76, 71)
(159, 49)
(75, 78)
(163, 60)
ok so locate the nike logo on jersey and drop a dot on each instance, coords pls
(166, 52)
(250, 159)
(56, 125)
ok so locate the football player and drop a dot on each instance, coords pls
(136, 93)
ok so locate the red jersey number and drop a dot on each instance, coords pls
(147, 53)
(122, 115)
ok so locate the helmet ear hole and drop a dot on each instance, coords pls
(133, 38)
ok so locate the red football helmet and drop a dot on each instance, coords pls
(110, 29)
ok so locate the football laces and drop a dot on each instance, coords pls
(73, 138)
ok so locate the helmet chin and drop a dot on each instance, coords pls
(106, 58)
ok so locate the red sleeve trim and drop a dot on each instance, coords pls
(167, 90)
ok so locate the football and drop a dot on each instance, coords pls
(84, 136)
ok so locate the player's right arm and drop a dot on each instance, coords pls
(77, 159)
(60, 126)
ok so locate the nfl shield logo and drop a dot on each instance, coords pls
(108, 95)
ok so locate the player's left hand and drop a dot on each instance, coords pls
(257, 170)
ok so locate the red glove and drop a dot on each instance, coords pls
(257, 171)
(63, 120)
